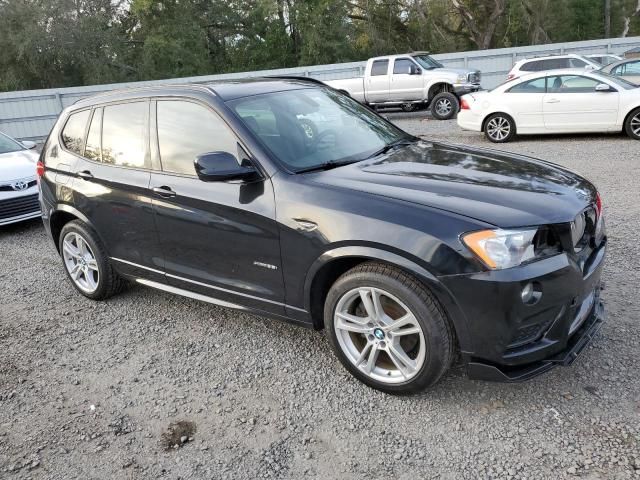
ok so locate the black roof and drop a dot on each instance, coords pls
(225, 89)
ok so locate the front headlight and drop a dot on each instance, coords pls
(462, 78)
(499, 249)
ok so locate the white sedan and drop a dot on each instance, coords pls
(558, 101)
(18, 186)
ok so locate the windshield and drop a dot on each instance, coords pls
(311, 127)
(8, 145)
(621, 82)
(427, 62)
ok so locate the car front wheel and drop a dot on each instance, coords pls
(86, 262)
(499, 128)
(632, 124)
(387, 329)
(444, 106)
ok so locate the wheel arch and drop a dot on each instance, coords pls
(437, 87)
(334, 263)
(62, 215)
(631, 111)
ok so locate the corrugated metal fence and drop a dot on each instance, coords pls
(29, 115)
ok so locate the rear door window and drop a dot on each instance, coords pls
(187, 129)
(93, 150)
(74, 130)
(379, 67)
(124, 135)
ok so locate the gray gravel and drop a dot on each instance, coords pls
(93, 389)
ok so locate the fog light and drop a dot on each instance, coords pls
(531, 293)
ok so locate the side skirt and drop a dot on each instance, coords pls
(221, 303)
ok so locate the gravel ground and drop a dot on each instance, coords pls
(99, 390)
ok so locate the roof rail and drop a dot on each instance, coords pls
(295, 77)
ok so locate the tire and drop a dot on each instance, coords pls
(427, 339)
(97, 279)
(499, 128)
(444, 106)
(632, 124)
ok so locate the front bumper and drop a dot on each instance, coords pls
(18, 208)
(464, 88)
(511, 341)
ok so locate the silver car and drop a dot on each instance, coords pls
(628, 69)
(18, 186)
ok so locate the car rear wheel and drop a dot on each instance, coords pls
(499, 128)
(632, 124)
(86, 263)
(387, 329)
(444, 106)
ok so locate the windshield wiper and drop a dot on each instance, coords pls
(390, 146)
(326, 166)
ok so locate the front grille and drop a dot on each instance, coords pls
(14, 207)
(10, 188)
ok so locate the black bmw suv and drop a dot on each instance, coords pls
(286, 198)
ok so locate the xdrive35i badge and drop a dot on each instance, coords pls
(265, 265)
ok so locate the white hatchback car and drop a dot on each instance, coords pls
(553, 62)
(559, 101)
(18, 186)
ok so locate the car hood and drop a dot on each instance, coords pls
(454, 71)
(18, 165)
(499, 188)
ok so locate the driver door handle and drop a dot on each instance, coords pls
(164, 191)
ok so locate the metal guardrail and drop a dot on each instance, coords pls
(30, 114)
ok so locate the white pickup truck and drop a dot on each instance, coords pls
(409, 81)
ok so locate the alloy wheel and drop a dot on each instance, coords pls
(80, 262)
(379, 335)
(635, 125)
(444, 107)
(498, 128)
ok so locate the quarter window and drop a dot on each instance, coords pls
(532, 86)
(123, 134)
(92, 151)
(73, 131)
(403, 65)
(577, 63)
(379, 67)
(186, 130)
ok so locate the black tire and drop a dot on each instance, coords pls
(632, 124)
(439, 104)
(109, 282)
(505, 128)
(438, 333)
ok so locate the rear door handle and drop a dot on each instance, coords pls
(164, 191)
(85, 174)
(553, 100)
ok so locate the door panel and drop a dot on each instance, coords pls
(218, 238)
(377, 82)
(572, 105)
(116, 199)
(403, 85)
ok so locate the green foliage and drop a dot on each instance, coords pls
(53, 43)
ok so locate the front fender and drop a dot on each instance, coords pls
(444, 296)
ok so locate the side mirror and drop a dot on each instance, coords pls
(223, 166)
(414, 70)
(28, 144)
(603, 87)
